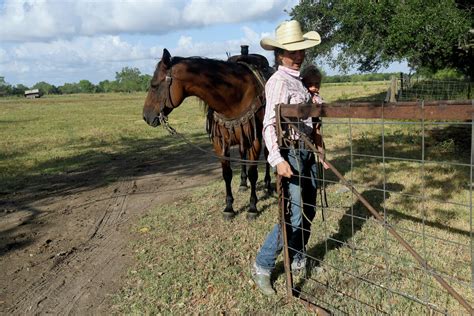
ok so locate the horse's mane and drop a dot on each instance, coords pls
(217, 66)
(178, 59)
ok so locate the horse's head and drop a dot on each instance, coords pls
(164, 94)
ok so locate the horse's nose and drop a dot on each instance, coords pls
(151, 119)
(148, 117)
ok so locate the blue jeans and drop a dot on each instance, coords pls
(298, 197)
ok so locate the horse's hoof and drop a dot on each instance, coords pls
(228, 215)
(251, 216)
(243, 188)
(270, 191)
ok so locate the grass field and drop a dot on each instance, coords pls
(189, 260)
(48, 137)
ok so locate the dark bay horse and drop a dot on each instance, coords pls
(235, 95)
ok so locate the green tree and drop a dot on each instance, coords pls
(107, 86)
(129, 79)
(369, 34)
(5, 88)
(145, 82)
(69, 88)
(45, 88)
(19, 90)
(85, 86)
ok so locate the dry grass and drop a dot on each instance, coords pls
(373, 91)
(189, 260)
(57, 135)
(422, 186)
(365, 270)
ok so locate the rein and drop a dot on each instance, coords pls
(173, 132)
(257, 74)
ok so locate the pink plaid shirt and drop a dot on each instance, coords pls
(284, 86)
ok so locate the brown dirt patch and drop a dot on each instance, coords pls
(65, 248)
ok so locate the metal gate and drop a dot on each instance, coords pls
(396, 234)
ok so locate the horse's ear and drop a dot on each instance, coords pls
(166, 58)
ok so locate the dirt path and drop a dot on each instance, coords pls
(66, 251)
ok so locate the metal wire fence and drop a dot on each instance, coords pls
(412, 88)
(396, 236)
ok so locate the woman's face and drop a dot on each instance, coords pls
(293, 59)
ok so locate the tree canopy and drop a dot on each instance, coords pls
(45, 88)
(127, 80)
(429, 34)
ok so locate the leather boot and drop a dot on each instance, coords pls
(261, 277)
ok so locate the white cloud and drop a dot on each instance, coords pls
(79, 58)
(60, 41)
(185, 43)
(80, 50)
(98, 58)
(112, 17)
(3, 56)
(15, 66)
(35, 19)
(251, 36)
(42, 20)
(186, 46)
(210, 12)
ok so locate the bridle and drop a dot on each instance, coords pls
(167, 102)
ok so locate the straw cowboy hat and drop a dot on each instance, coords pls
(290, 37)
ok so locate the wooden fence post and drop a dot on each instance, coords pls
(393, 90)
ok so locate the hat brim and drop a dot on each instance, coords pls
(310, 39)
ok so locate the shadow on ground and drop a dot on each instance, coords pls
(94, 169)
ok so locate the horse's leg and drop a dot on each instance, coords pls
(226, 174)
(253, 154)
(229, 200)
(268, 178)
(243, 173)
(253, 177)
(220, 148)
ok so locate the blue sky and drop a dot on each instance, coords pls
(61, 41)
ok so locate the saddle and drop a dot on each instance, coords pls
(259, 62)
(217, 125)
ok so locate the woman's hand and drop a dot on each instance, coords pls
(284, 169)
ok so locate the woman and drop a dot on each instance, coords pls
(295, 164)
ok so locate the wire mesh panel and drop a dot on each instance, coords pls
(396, 234)
(417, 88)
